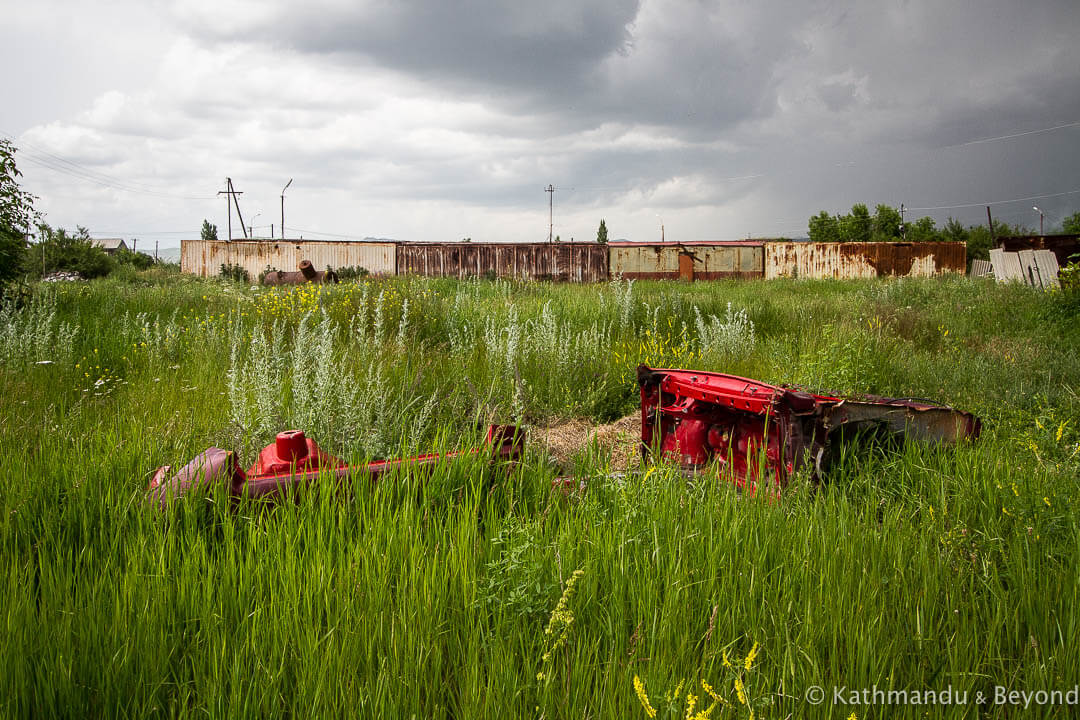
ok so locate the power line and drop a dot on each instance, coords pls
(146, 232)
(317, 232)
(42, 158)
(998, 202)
(1016, 135)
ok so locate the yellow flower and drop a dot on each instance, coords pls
(691, 700)
(727, 662)
(740, 690)
(639, 688)
(750, 657)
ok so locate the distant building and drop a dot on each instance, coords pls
(110, 245)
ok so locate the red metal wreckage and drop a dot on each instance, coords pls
(750, 431)
(756, 432)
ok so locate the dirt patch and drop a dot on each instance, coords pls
(566, 440)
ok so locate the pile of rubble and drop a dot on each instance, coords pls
(63, 276)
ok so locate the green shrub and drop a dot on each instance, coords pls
(236, 273)
(137, 260)
(352, 272)
(63, 250)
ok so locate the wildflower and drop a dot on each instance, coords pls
(726, 661)
(691, 701)
(1046, 500)
(750, 657)
(639, 688)
(710, 691)
(740, 690)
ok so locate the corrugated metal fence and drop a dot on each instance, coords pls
(686, 261)
(567, 262)
(205, 257)
(585, 262)
(863, 260)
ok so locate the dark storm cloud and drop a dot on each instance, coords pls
(549, 46)
(746, 113)
(684, 64)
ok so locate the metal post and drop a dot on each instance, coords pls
(550, 189)
(283, 207)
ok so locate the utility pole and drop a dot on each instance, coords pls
(550, 189)
(1036, 209)
(155, 251)
(283, 207)
(903, 225)
(230, 195)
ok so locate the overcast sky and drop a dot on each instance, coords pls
(436, 120)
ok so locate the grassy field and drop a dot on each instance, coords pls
(468, 593)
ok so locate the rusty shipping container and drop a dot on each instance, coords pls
(863, 260)
(564, 262)
(205, 257)
(739, 259)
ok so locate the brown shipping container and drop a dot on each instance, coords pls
(565, 262)
(863, 260)
(688, 261)
(205, 258)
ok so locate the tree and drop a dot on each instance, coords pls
(954, 231)
(824, 227)
(886, 224)
(923, 230)
(17, 214)
(74, 252)
(601, 233)
(1071, 224)
(209, 231)
(856, 226)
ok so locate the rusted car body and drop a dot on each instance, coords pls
(759, 433)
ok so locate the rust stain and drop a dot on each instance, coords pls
(860, 260)
(205, 258)
(563, 262)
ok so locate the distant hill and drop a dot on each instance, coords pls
(168, 254)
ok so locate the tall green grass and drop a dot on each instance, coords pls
(428, 594)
